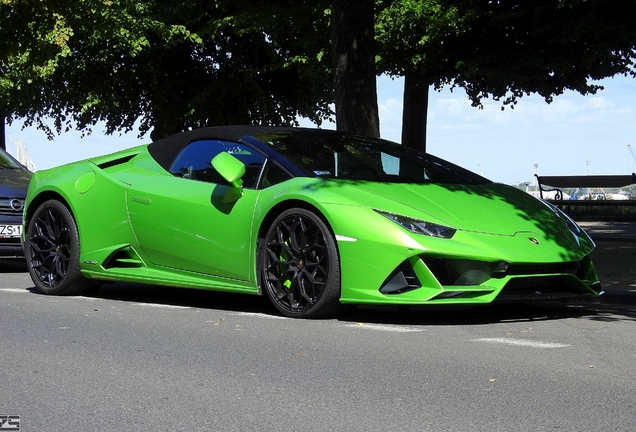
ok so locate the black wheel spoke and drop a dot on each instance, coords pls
(296, 265)
(52, 250)
(50, 247)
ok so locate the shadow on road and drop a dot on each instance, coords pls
(205, 299)
(386, 315)
(596, 311)
(497, 313)
(12, 266)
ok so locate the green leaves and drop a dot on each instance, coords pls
(507, 49)
(166, 66)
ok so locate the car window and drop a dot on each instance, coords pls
(194, 162)
(351, 157)
(273, 175)
(7, 161)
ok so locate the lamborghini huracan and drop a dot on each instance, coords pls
(314, 219)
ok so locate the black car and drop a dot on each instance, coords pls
(14, 181)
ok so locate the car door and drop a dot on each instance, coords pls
(183, 222)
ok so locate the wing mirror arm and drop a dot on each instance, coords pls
(232, 170)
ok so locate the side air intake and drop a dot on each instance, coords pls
(401, 280)
(125, 257)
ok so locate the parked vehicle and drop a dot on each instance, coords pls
(313, 219)
(14, 182)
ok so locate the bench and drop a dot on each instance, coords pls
(600, 181)
(588, 181)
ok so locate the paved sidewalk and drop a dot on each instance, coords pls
(614, 259)
(615, 231)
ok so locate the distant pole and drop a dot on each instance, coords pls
(632, 151)
(588, 163)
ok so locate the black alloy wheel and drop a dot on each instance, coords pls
(52, 251)
(300, 266)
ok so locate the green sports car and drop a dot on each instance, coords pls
(314, 219)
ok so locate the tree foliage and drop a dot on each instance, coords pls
(503, 49)
(169, 65)
(179, 64)
(43, 65)
(547, 47)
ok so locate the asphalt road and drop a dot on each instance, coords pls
(141, 358)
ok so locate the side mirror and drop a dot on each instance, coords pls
(232, 170)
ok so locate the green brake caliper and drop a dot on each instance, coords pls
(284, 256)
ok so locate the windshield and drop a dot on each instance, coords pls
(333, 155)
(6, 161)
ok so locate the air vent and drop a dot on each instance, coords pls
(540, 287)
(401, 280)
(123, 258)
(115, 162)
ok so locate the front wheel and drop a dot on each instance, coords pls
(300, 267)
(52, 251)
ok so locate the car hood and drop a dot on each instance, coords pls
(490, 208)
(14, 182)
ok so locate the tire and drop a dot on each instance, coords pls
(300, 266)
(52, 251)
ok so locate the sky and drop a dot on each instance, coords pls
(574, 135)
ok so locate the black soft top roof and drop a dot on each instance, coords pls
(165, 150)
(287, 150)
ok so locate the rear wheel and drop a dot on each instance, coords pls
(300, 267)
(52, 251)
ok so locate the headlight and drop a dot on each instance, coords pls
(417, 226)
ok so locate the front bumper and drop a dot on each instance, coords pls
(391, 266)
(11, 248)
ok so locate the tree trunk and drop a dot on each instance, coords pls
(354, 67)
(3, 135)
(415, 111)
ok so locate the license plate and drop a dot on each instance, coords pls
(10, 230)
